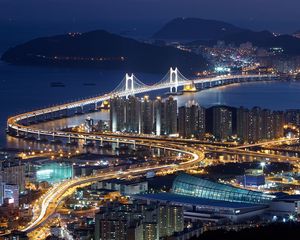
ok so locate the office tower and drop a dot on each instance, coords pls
(147, 115)
(222, 123)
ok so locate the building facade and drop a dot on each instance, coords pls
(222, 123)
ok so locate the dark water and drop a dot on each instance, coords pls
(23, 88)
(272, 95)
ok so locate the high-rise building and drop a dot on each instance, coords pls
(159, 116)
(147, 115)
(259, 124)
(191, 121)
(151, 231)
(138, 221)
(117, 114)
(170, 219)
(242, 124)
(136, 115)
(171, 116)
(267, 124)
(133, 115)
(165, 116)
(292, 116)
(278, 124)
(222, 123)
(13, 172)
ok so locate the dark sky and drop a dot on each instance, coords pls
(34, 16)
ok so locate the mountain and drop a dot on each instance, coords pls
(103, 50)
(200, 29)
(208, 32)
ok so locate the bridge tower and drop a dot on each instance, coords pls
(129, 86)
(173, 79)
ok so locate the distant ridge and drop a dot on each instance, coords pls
(102, 49)
(195, 29)
(210, 31)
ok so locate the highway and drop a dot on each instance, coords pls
(268, 143)
(51, 199)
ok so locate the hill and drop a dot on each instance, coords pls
(200, 29)
(208, 32)
(103, 50)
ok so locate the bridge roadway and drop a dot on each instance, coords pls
(269, 143)
(14, 123)
(51, 199)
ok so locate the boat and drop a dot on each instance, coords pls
(57, 84)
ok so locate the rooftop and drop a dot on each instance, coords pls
(188, 200)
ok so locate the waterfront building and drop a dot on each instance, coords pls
(222, 123)
(137, 115)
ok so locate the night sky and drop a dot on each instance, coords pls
(38, 17)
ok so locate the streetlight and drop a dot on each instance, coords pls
(262, 164)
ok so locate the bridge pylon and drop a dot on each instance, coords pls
(129, 84)
(173, 79)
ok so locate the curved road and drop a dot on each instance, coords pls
(52, 198)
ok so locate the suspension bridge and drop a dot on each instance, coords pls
(130, 85)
